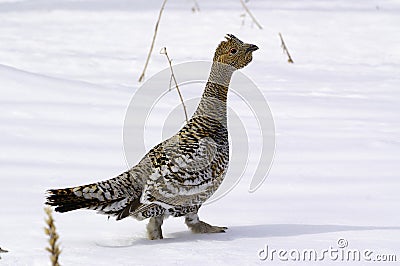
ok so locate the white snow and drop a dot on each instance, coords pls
(68, 70)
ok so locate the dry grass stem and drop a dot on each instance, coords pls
(196, 7)
(164, 51)
(285, 50)
(50, 231)
(250, 14)
(3, 251)
(141, 78)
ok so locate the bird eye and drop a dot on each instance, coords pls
(233, 51)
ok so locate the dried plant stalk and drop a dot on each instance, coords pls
(196, 7)
(164, 51)
(3, 251)
(285, 50)
(152, 42)
(250, 14)
(50, 231)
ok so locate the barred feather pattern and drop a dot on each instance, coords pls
(108, 197)
(189, 167)
(174, 178)
(178, 175)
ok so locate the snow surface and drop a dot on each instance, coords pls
(68, 70)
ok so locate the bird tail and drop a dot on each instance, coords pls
(108, 197)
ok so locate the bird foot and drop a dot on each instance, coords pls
(154, 230)
(200, 227)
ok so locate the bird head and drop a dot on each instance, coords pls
(234, 52)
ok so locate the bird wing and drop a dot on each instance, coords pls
(186, 169)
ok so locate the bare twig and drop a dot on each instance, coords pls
(196, 7)
(250, 14)
(50, 230)
(152, 42)
(285, 50)
(3, 251)
(164, 51)
(243, 16)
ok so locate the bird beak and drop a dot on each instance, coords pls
(252, 48)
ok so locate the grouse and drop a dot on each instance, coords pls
(178, 175)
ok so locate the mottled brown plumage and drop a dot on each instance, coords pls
(178, 175)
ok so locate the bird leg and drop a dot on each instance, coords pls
(154, 228)
(200, 227)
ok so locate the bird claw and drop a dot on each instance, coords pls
(205, 228)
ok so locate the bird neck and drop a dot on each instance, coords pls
(213, 100)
